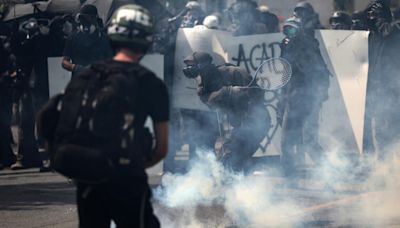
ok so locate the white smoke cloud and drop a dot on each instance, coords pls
(235, 199)
(210, 196)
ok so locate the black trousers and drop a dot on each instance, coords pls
(246, 139)
(125, 205)
(7, 156)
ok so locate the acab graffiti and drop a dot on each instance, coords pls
(251, 58)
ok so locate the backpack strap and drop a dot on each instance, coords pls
(134, 73)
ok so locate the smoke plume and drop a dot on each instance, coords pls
(210, 196)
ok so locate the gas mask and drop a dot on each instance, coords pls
(359, 25)
(87, 24)
(339, 26)
(292, 28)
(291, 32)
(30, 28)
(190, 19)
(191, 71)
(87, 28)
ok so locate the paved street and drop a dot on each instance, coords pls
(30, 199)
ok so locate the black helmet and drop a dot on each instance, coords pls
(340, 20)
(292, 27)
(359, 20)
(199, 58)
(89, 9)
(304, 10)
(87, 14)
(131, 26)
(193, 5)
(359, 15)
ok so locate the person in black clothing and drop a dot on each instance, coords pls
(125, 196)
(32, 90)
(302, 97)
(382, 116)
(269, 19)
(221, 88)
(305, 12)
(127, 201)
(7, 83)
(87, 45)
(194, 15)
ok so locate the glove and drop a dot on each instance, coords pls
(375, 11)
(77, 69)
(236, 89)
(238, 93)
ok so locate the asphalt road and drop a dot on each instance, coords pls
(29, 199)
(32, 199)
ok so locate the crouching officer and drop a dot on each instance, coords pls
(221, 88)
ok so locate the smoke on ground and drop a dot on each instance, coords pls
(210, 196)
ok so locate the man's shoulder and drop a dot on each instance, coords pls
(130, 69)
(227, 67)
(73, 36)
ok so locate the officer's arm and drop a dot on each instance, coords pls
(160, 150)
(67, 65)
(220, 98)
(380, 18)
(386, 28)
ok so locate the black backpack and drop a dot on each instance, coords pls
(95, 136)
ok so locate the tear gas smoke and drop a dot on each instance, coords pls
(210, 196)
(236, 198)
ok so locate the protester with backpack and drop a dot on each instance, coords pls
(96, 133)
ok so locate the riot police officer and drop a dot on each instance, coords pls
(194, 15)
(302, 97)
(382, 81)
(305, 12)
(87, 45)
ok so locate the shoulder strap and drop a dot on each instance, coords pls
(104, 70)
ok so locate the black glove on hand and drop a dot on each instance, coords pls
(375, 11)
(238, 93)
(77, 69)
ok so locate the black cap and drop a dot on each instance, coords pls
(199, 57)
(89, 10)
